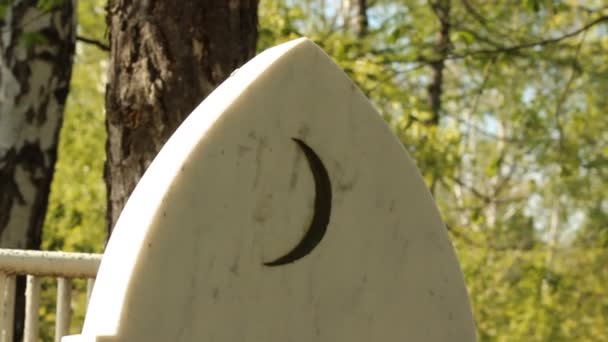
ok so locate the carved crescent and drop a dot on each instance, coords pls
(322, 209)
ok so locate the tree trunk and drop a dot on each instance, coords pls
(441, 8)
(166, 56)
(35, 68)
(361, 18)
(354, 13)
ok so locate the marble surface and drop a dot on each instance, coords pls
(232, 191)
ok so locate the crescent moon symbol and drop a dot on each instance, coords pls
(322, 209)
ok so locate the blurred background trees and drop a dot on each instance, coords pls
(36, 52)
(502, 104)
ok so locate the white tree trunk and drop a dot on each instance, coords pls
(354, 14)
(36, 50)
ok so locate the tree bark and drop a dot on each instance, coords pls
(442, 47)
(166, 56)
(354, 13)
(361, 18)
(35, 68)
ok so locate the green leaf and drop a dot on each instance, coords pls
(31, 39)
(49, 5)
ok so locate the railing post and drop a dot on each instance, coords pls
(37, 264)
(90, 284)
(3, 296)
(7, 309)
(64, 298)
(32, 295)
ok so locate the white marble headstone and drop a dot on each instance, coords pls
(283, 209)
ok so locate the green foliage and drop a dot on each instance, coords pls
(75, 219)
(49, 5)
(3, 8)
(43, 5)
(31, 39)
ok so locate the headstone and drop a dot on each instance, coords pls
(282, 209)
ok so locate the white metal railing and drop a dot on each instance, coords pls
(35, 265)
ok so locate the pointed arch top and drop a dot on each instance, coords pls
(282, 209)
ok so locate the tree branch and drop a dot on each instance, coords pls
(476, 15)
(441, 8)
(543, 42)
(506, 49)
(94, 42)
(564, 95)
(472, 189)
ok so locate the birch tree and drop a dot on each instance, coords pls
(36, 52)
